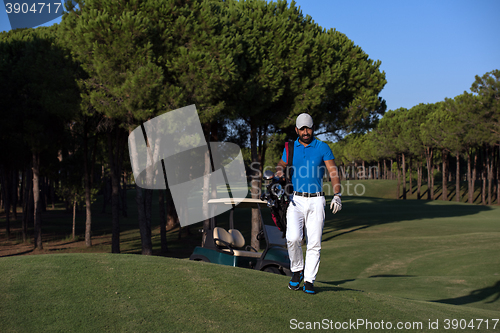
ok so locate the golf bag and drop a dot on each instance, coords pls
(279, 192)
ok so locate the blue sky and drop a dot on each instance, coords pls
(430, 49)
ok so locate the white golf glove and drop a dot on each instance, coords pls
(336, 204)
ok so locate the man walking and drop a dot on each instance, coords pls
(310, 159)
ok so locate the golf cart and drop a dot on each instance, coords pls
(227, 247)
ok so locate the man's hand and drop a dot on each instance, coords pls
(336, 204)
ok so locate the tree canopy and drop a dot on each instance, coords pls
(74, 91)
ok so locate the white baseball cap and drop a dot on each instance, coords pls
(304, 120)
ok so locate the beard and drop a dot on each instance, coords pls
(307, 139)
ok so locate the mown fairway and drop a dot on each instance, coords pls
(382, 260)
(431, 251)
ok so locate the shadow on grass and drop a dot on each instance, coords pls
(17, 254)
(463, 192)
(391, 276)
(360, 213)
(475, 296)
(334, 286)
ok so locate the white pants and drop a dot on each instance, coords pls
(308, 212)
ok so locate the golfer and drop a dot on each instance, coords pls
(310, 159)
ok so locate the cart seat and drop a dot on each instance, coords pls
(239, 242)
(238, 239)
(222, 237)
(224, 240)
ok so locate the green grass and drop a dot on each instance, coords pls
(430, 251)
(127, 293)
(382, 259)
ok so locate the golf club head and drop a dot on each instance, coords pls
(277, 190)
(268, 175)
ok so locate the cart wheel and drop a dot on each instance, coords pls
(272, 269)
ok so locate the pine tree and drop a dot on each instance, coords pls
(144, 59)
(40, 108)
(289, 65)
(487, 88)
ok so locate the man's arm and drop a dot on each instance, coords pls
(334, 175)
(336, 204)
(280, 168)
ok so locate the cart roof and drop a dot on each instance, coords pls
(241, 202)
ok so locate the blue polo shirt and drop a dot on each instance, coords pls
(309, 165)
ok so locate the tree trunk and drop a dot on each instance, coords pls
(172, 218)
(104, 189)
(14, 189)
(143, 199)
(457, 178)
(430, 173)
(483, 175)
(37, 202)
(6, 193)
(489, 164)
(214, 137)
(404, 175)
(88, 186)
(163, 222)
(419, 179)
(384, 174)
(147, 244)
(74, 217)
(470, 180)
(21, 188)
(124, 195)
(398, 190)
(474, 172)
(255, 185)
(144, 224)
(114, 148)
(27, 203)
(445, 175)
(390, 170)
(410, 170)
(206, 195)
(206, 184)
(498, 175)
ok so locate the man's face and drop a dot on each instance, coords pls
(305, 134)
